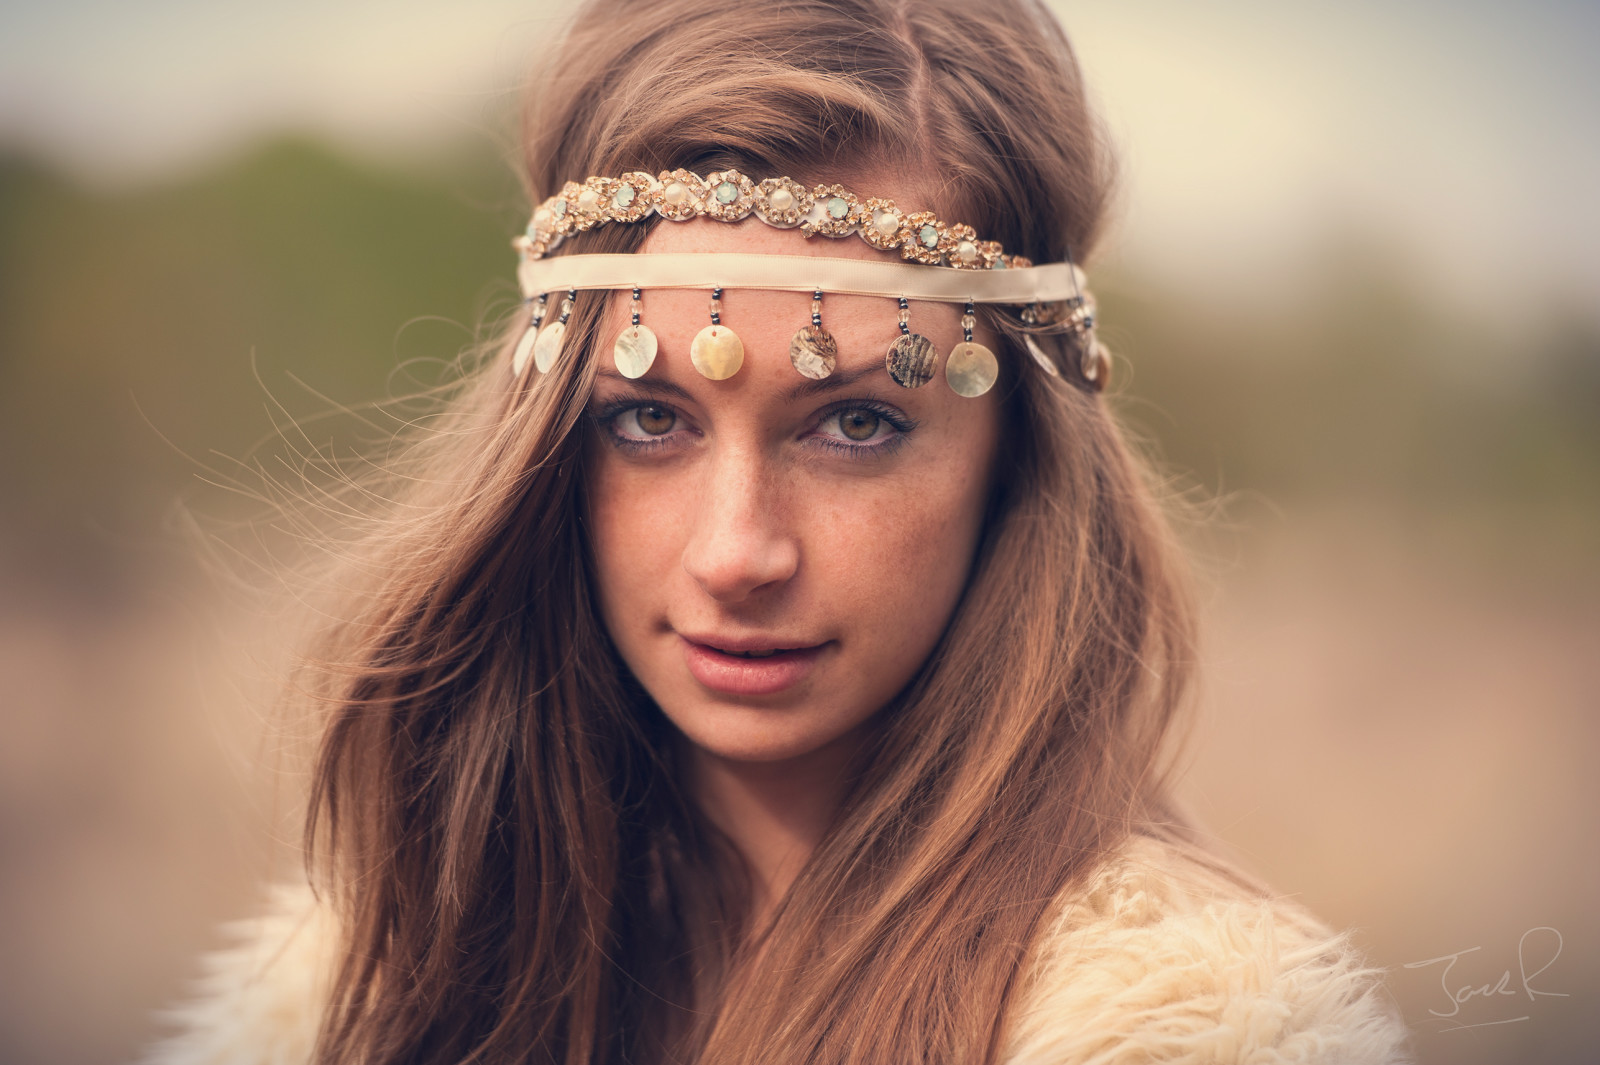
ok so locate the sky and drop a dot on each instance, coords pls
(1457, 139)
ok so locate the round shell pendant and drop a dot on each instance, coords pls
(813, 352)
(548, 347)
(911, 359)
(634, 351)
(1040, 357)
(717, 352)
(1097, 366)
(524, 350)
(971, 369)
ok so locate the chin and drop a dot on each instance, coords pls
(735, 733)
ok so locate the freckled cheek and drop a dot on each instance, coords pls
(631, 533)
(900, 568)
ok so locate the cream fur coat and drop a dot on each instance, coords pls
(1160, 960)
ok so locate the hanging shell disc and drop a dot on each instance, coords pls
(634, 351)
(1044, 361)
(524, 350)
(1096, 366)
(971, 369)
(911, 359)
(813, 352)
(548, 347)
(717, 352)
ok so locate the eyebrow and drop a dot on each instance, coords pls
(666, 388)
(831, 382)
(800, 391)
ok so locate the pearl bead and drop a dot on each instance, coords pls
(588, 199)
(675, 193)
(887, 223)
(967, 251)
(781, 199)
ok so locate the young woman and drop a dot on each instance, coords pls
(769, 655)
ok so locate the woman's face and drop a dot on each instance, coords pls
(777, 556)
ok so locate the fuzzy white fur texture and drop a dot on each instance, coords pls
(1162, 958)
(259, 1000)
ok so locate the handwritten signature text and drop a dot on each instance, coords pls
(1461, 994)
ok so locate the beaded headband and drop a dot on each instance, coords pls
(944, 263)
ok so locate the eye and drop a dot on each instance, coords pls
(863, 427)
(645, 421)
(859, 425)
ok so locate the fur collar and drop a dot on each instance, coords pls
(1168, 957)
(1164, 957)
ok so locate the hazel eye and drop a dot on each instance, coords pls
(859, 425)
(864, 428)
(648, 420)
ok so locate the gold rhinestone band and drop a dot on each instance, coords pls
(728, 196)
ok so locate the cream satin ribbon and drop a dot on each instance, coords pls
(1050, 283)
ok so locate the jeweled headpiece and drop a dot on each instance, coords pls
(945, 263)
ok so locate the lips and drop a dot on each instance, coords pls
(748, 666)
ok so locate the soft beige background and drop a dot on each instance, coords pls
(1352, 291)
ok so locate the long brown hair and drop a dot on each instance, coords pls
(520, 873)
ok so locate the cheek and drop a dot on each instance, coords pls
(631, 544)
(905, 548)
(897, 562)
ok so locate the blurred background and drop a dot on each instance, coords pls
(1353, 294)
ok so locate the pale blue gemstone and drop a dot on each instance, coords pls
(727, 192)
(533, 231)
(624, 196)
(838, 207)
(1000, 264)
(560, 209)
(929, 237)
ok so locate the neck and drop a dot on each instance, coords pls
(775, 813)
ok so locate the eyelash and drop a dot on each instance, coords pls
(605, 419)
(607, 416)
(897, 421)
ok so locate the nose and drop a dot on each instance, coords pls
(741, 542)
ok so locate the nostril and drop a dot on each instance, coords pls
(740, 543)
(732, 568)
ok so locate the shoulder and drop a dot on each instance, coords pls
(1163, 955)
(259, 1000)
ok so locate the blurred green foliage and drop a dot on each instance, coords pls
(145, 335)
(134, 327)
(1367, 390)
